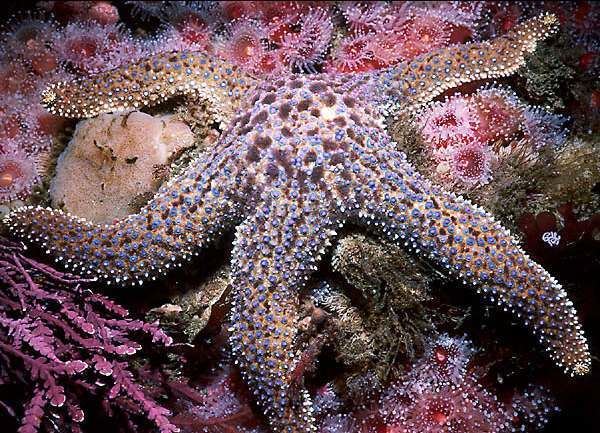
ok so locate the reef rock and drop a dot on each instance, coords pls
(114, 162)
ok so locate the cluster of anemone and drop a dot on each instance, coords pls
(269, 39)
(444, 393)
(468, 136)
(446, 390)
(67, 39)
(383, 34)
(37, 50)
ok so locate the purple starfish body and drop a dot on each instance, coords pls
(301, 157)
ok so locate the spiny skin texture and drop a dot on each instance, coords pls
(411, 85)
(150, 81)
(303, 156)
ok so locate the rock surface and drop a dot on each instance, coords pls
(114, 163)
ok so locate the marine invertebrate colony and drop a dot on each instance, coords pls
(441, 395)
(17, 172)
(301, 157)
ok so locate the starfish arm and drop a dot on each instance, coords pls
(467, 241)
(150, 81)
(276, 251)
(185, 215)
(410, 85)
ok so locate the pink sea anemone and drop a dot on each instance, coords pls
(222, 405)
(66, 10)
(364, 17)
(195, 31)
(192, 23)
(18, 173)
(384, 46)
(466, 408)
(306, 48)
(500, 17)
(15, 78)
(24, 36)
(422, 33)
(456, 401)
(470, 164)
(446, 359)
(532, 409)
(87, 46)
(500, 113)
(103, 12)
(18, 123)
(42, 123)
(233, 10)
(462, 17)
(242, 43)
(280, 18)
(457, 13)
(12, 122)
(448, 123)
(44, 62)
(352, 54)
(270, 63)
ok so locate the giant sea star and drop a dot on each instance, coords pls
(302, 156)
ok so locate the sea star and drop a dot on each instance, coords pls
(301, 157)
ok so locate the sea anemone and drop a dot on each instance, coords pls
(383, 45)
(457, 13)
(500, 113)
(30, 33)
(18, 173)
(103, 12)
(470, 163)
(541, 128)
(446, 359)
(11, 119)
(280, 18)
(88, 46)
(194, 30)
(270, 63)
(43, 124)
(364, 17)
(466, 408)
(306, 48)
(15, 78)
(352, 54)
(233, 10)
(422, 33)
(454, 400)
(242, 43)
(448, 123)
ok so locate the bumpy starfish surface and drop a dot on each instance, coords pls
(301, 157)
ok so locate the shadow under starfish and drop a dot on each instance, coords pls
(300, 157)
